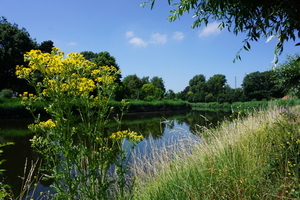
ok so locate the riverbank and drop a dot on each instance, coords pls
(254, 157)
(246, 105)
(12, 107)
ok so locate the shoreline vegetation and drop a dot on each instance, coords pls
(254, 156)
(257, 156)
(12, 107)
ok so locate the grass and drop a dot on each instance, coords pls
(255, 157)
(246, 105)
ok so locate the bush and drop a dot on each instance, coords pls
(6, 93)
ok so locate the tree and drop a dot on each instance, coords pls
(216, 83)
(256, 18)
(170, 94)
(288, 75)
(46, 46)
(89, 55)
(133, 85)
(197, 87)
(102, 59)
(14, 43)
(149, 91)
(158, 82)
(260, 85)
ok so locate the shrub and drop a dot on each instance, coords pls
(6, 93)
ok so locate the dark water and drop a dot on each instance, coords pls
(157, 125)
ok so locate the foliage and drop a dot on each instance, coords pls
(142, 88)
(102, 59)
(6, 93)
(216, 83)
(158, 83)
(77, 151)
(14, 42)
(170, 94)
(288, 74)
(197, 87)
(260, 85)
(133, 86)
(255, 18)
(46, 46)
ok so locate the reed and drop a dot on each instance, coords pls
(254, 157)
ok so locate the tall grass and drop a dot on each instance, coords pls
(254, 157)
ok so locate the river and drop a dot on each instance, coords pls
(159, 126)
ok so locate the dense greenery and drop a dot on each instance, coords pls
(256, 86)
(14, 43)
(288, 75)
(262, 85)
(142, 88)
(257, 19)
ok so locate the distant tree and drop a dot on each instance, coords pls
(256, 18)
(233, 95)
(288, 75)
(170, 94)
(14, 43)
(89, 55)
(148, 91)
(158, 82)
(133, 85)
(216, 84)
(183, 94)
(197, 87)
(102, 59)
(260, 85)
(145, 80)
(46, 46)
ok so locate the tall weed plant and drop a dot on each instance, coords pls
(82, 159)
(252, 157)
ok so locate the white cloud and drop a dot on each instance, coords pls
(158, 38)
(72, 43)
(210, 29)
(136, 41)
(178, 35)
(129, 34)
(155, 38)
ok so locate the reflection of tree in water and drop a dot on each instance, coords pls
(149, 123)
(209, 119)
(15, 156)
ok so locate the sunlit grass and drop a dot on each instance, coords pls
(254, 157)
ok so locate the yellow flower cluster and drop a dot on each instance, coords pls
(42, 125)
(131, 135)
(25, 96)
(71, 76)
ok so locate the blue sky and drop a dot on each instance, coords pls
(142, 40)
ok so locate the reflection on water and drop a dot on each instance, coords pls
(160, 126)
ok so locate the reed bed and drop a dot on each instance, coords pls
(253, 157)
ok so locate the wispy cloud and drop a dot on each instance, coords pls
(129, 34)
(158, 38)
(72, 43)
(136, 41)
(210, 29)
(178, 35)
(155, 38)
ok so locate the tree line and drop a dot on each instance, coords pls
(15, 42)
